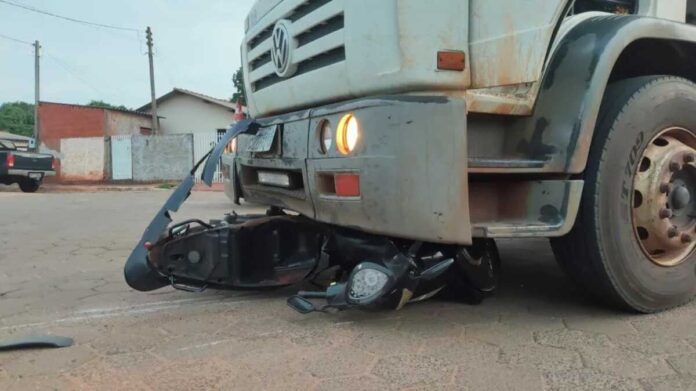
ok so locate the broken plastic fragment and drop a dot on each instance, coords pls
(38, 341)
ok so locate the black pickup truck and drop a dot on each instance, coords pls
(27, 169)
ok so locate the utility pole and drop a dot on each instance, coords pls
(37, 92)
(155, 119)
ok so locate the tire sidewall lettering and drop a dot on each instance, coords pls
(631, 167)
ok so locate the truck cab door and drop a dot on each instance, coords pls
(509, 42)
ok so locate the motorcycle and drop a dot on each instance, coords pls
(347, 268)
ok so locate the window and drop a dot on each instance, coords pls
(7, 145)
(146, 131)
(221, 133)
(621, 7)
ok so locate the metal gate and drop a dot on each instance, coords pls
(202, 144)
(121, 158)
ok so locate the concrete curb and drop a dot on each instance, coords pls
(84, 188)
(49, 188)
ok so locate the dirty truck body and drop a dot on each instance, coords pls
(408, 135)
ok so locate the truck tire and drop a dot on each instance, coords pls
(29, 185)
(633, 242)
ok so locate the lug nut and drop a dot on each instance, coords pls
(665, 213)
(673, 232)
(674, 166)
(689, 158)
(665, 188)
(686, 238)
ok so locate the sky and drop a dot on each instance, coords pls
(196, 47)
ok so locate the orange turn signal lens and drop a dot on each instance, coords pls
(451, 60)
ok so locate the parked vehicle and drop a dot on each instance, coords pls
(409, 135)
(27, 169)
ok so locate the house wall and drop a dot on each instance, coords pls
(186, 114)
(161, 158)
(118, 123)
(83, 159)
(58, 121)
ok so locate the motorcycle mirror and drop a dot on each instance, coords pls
(301, 305)
(437, 270)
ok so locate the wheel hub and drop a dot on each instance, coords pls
(664, 211)
(680, 198)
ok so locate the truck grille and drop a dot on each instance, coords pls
(317, 25)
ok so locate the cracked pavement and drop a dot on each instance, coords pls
(61, 261)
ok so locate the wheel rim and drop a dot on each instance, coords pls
(664, 198)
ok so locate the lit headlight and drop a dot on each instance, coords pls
(367, 283)
(347, 134)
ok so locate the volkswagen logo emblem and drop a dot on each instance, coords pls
(283, 46)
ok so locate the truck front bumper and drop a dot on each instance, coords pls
(411, 160)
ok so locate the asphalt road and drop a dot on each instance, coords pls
(61, 259)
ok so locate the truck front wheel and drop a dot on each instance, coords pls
(29, 185)
(633, 244)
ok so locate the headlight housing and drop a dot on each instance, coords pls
(347, 134)
(368, 282)
(326, 135)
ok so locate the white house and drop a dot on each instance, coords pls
(183, 111)
(186, 112)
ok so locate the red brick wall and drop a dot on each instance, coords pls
(58, 121)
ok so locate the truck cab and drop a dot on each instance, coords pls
(447, 121)
(395, 141)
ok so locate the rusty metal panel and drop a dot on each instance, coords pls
(413, 168)
(560, 131)
(556, 138)
(509, 43)
(509, 208)
(412, 161)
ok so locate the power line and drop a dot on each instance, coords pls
(32, 9)
(77, 73)
(74, 74)
(16, 40)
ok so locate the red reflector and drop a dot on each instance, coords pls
(10, 160)
(53, 164)
(451, 61)
(347, 185)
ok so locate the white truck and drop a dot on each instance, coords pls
(407, 135)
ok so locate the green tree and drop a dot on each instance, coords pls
(240, 92)
(104, 105)
(17, 118)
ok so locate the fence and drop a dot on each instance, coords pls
(161, 158)
(202, 144)
(135, 157)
